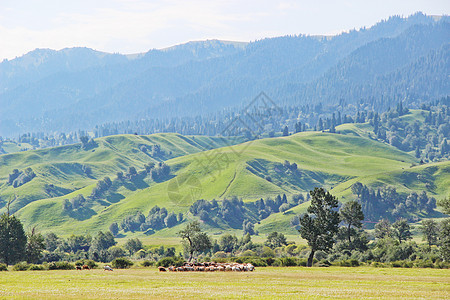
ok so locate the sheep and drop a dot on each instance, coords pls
(107, 268)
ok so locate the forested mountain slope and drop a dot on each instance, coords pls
(400, 59)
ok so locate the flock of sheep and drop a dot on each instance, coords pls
(210, 267)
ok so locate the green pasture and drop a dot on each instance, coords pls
(264, 283)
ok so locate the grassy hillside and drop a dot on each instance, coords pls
(250, 171)
(61, 170)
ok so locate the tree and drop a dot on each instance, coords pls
(171, 220)
(51, 242)
(84, 140)
(275, 240)
(79, 242)
(103, 241)
(228, 242)
(285, 131)
(401, 230)
(115, 252)
(445, 204)
(194, 239)
(248, 228)
(357, 188)
(114, 228)
(352, 215)
(444, 239)
(133, 245)
(320, 224)
(12, 239)
(35, 246)
(430, 231)
(383, 229)
(100, 244)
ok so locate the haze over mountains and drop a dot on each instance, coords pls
(399, 59)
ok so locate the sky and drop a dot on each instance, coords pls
(135, 26)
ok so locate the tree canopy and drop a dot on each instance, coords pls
(320, 224)
(13, 240)
(194, 239)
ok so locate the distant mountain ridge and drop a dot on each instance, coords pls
(78, 88)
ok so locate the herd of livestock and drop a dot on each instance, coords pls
(210, 267)
(195, 267)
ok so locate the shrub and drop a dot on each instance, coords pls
(424, 264)
(147, 263)
(248, 253)
(36, 268)
(61, 265)
(21, 266)
(269, 260)
(121, 263)
(288, 261)
(267, 252)
(302, 262)
(408, 264)
(258, 262)
(277, 263)
(377, 264)
(349, 263)
(323, 263)
(170, 261)
(89, 262)
(220, 254)
(3, 267)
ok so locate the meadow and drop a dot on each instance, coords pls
(264, 283)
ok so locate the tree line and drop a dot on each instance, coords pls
(334, 233)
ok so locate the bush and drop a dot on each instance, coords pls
(257, 262)
(269, 260)
(147, 263)
(3, 267)
(288, 261)
(61, 265)
(323, 263)
(36, 267)
(248, 253)
(424, 264)
(170, 261)
(21, 266)
(89, 262)
(220, 254)
(276, 263)
(349, 263)
(121, 263)
(302, 262)
(397, 264)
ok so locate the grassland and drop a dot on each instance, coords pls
(264, 283)
(236, 171)
(249, 170)
(63, 166)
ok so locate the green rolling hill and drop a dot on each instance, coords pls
(250, 170)
(62, 170)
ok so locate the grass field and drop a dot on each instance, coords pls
(249, 170)
(264, 283)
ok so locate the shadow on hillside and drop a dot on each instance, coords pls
(114, 197)
(166, 178)
(82, 213)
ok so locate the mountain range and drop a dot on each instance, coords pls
(400, 59)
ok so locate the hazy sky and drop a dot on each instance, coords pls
(131, 26)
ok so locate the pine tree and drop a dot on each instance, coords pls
(320, 224)
(13, 240)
